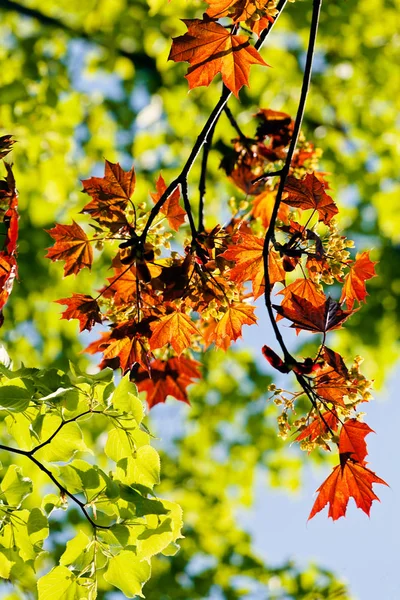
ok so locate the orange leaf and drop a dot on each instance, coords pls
(309, 193)
(319, 426)
(110, 195)
(304, 288)
(81, 307)
(116, 186)
(176, 329)
(348, 480)
(72, 245)
(171, 207)
(238, 10)
(354, 283)
(305, 315)
(211, 49)
(229, 328)
(167, 378)
(247, 253)
(124, 346)
(263, 205)
(332, 382)
(352, 439)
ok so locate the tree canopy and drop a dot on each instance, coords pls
(90, 81)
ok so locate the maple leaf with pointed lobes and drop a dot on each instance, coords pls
(110, 195)
(123, 346)
(305, 315)
(303, 288)
(332, 382)
(354, 283)
(348, 480)
(174, 328)
(309, 193)
(171, 207)
(167, 378)
(72, 245)
(352, 439)
(211, 49)
(229, 328)
(81, 307)
(320, 425)
(247, 253)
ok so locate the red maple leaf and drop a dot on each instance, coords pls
(332, 382)
(171, 207)
(211, 49)
(354, 283)
(72, 245)
(309, 193)
(167, 378)
(305, 315)
(81, 307)
(348, 480)
(9, 208)
(352, 439)
(110, 195)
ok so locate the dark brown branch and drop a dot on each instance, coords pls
(211, 121)
(61, 425)
(203, 175)
(188, 208)
(234, 123)
(63, 490)
(270, 236)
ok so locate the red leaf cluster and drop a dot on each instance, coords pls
(9, 213)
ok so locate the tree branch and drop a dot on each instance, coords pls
(203, 175)
(63, 490)
(270, 236)
(210, 123)
(61, 425)
(234, 123)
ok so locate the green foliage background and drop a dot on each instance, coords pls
(86, 80)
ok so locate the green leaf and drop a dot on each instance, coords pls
(59, 584)
(14, 398)
(5, 566)
(52, 501)
(118, 445)
(127, 573)
(14, 486)
(38, 526)
(65, 444)
(140, 506)
(77, 553)
(125, 399)
(143, 467)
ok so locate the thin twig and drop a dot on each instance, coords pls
(270, 236)
(203, 175)
(63, 490)
(61, 425)
(234, 123)
(188, 208)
